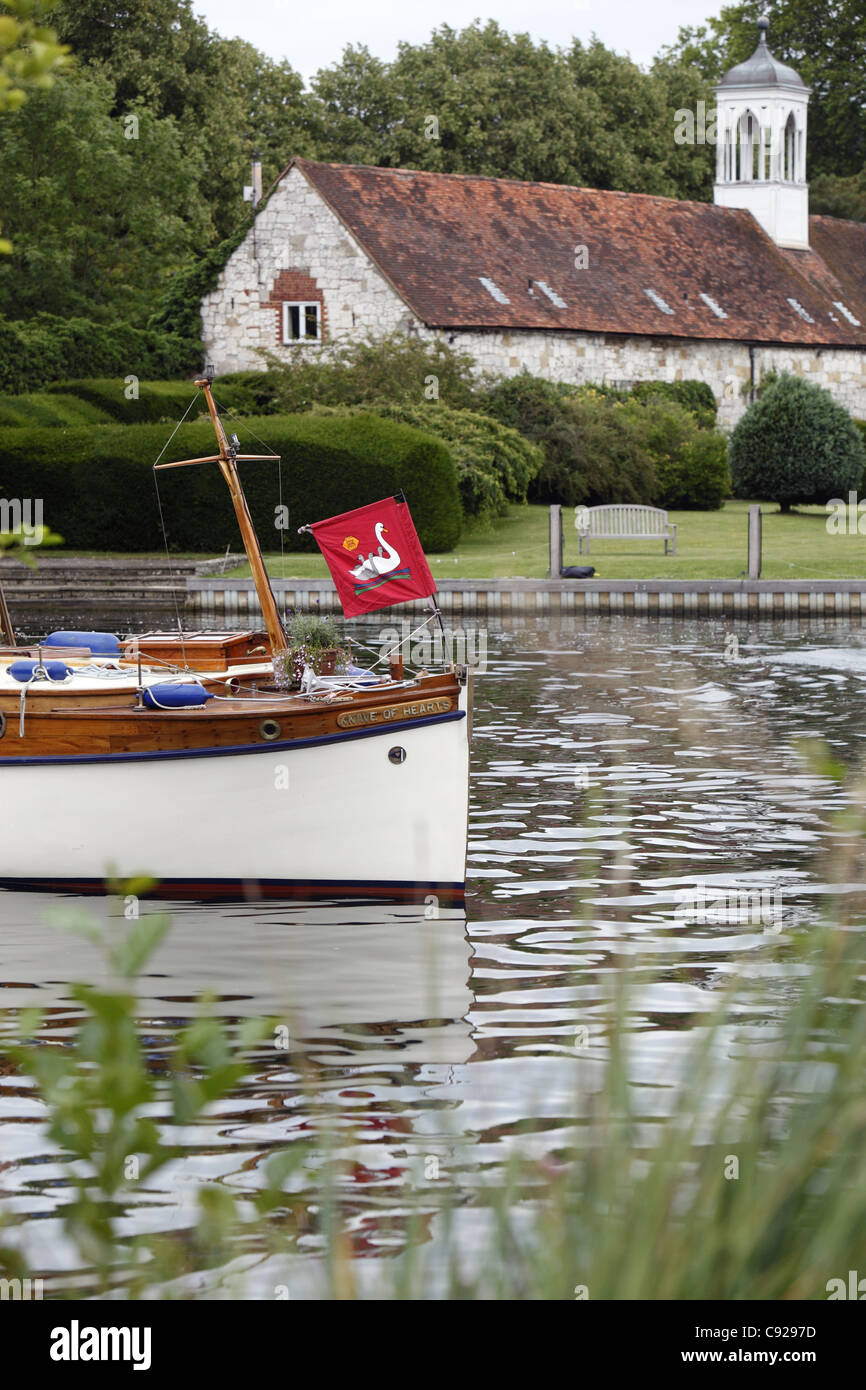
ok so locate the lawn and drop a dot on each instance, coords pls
(710, 545)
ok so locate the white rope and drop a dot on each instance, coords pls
(391, 650)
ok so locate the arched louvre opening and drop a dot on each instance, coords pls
(752, 151)
(790, 151)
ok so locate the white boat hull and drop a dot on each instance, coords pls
(328, 816)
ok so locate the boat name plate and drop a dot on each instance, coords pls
(383, 715)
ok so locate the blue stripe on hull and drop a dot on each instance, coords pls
(277, 746)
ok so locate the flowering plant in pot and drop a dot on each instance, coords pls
(313, 641)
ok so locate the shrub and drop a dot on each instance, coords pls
(601, 444)
(796, 444)
(395, 368)
(98, 489)
(695, 396)
(495, 465)
(526, 403)
(697, 478)
(691, 463)
(592, 452)
(48, 348)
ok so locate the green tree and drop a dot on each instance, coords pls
(29, 58)
(98, 219)
(226, 97)
(482, 101)
(635, 150)
(796, 444)
(29, 52)
(839, 197)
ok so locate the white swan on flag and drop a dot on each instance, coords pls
(376, 565)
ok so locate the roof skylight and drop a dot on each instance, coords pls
(716, 308)
(798, 309)
(551, 294)
(658, 301)
(837, 304)
(494, 291)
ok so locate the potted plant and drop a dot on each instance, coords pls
(313, 641)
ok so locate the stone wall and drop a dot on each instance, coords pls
(295, 232)
(298, 240)
(615, 360)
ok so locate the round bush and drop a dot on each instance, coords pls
(796, 444)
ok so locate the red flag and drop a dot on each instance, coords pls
(374, 556)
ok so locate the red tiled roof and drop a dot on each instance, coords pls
(434, 236)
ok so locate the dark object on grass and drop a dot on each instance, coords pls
(577, 572)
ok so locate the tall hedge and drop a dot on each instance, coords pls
(796, 444)
(98, 489)
(34, 408)
(49, 348)
(155, 401)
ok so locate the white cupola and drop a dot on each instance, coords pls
(761, 150)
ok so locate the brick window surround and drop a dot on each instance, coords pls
(296, 286)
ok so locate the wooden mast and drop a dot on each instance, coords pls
(227, 459)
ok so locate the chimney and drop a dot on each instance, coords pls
(257, 179)
(253, 191)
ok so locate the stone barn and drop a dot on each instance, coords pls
(572, 284)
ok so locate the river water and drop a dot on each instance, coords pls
(641, 794)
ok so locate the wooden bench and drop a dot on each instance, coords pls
(623, 521)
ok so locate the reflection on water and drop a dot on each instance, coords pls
(623, 771)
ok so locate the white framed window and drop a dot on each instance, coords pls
(302, 321)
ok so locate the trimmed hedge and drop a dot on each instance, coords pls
(50, 348)
(98, 488)
(156, 401)
(105, 398)
(39, 408)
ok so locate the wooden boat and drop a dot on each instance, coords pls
(355, 787)
(221, 661)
